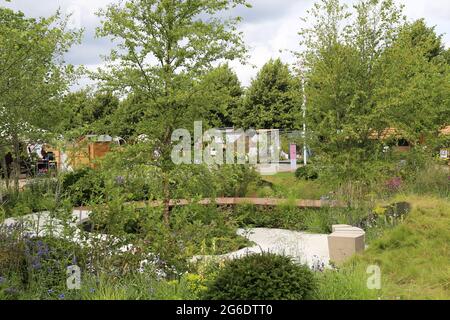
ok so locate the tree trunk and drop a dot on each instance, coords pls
(4, 175)
(166, 194)
(4, 167)
(16, 163)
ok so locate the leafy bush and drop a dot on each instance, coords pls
(262, 277)
(35, 267)
(83, 186)
(194, 230)
(307, 173)
(234, 180)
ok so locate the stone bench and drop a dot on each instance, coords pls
(344, 242)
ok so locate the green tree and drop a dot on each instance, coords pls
(342, 50)
(273, 99)
(413, 82)
(219, 95)
(164, 47)
(33, 76)
(130, 112)
(87, 113)
(426, 38)
(368, 70)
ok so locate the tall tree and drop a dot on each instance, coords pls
(219, 95)
(367, 70)
(33, 75)
(165, 45)
(413, 82)
(273, 99)
(87, 112)
(125, 120)
(342, 48)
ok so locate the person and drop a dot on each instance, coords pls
(44, 154)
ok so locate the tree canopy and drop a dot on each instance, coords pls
(274, 96)
(33, 75)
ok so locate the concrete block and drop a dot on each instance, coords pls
(339, 226)
(343, 244)
(350, 230)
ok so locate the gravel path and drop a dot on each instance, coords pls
(304, 248)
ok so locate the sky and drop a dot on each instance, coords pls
(270, 28)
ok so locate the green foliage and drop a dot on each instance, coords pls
(287, 186)
(38, 195)
(163, 69)
(307, 173)
(367, 71)
(129, 178)
(412, 255)
(274, 95)
(35, 268)
(262, 277)
(33, 75)
(235, 180)
(141, 287)
(297, 219)
(218, 94)
(186, 50)
(193, 230)
(413, 98)
(349, 283)
(430, 180)
(130, 111)
(87, 111)
(84, 186)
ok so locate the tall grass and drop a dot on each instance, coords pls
(432, 180)
(349, 283)
(286, 185)
(414, 256)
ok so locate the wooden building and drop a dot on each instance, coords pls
(90, 148)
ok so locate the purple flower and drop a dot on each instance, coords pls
(394, 184)
(61, 296)
(92, 290)
(2, 280)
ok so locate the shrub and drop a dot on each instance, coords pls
(83, 186)
(234, 180)
(307, 173)
(262, 277)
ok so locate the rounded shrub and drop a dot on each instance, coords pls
(307, 173)
(262, 277)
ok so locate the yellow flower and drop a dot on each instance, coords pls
(380, 211)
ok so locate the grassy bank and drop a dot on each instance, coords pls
(414, 258)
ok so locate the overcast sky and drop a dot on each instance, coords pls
(270, 27)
